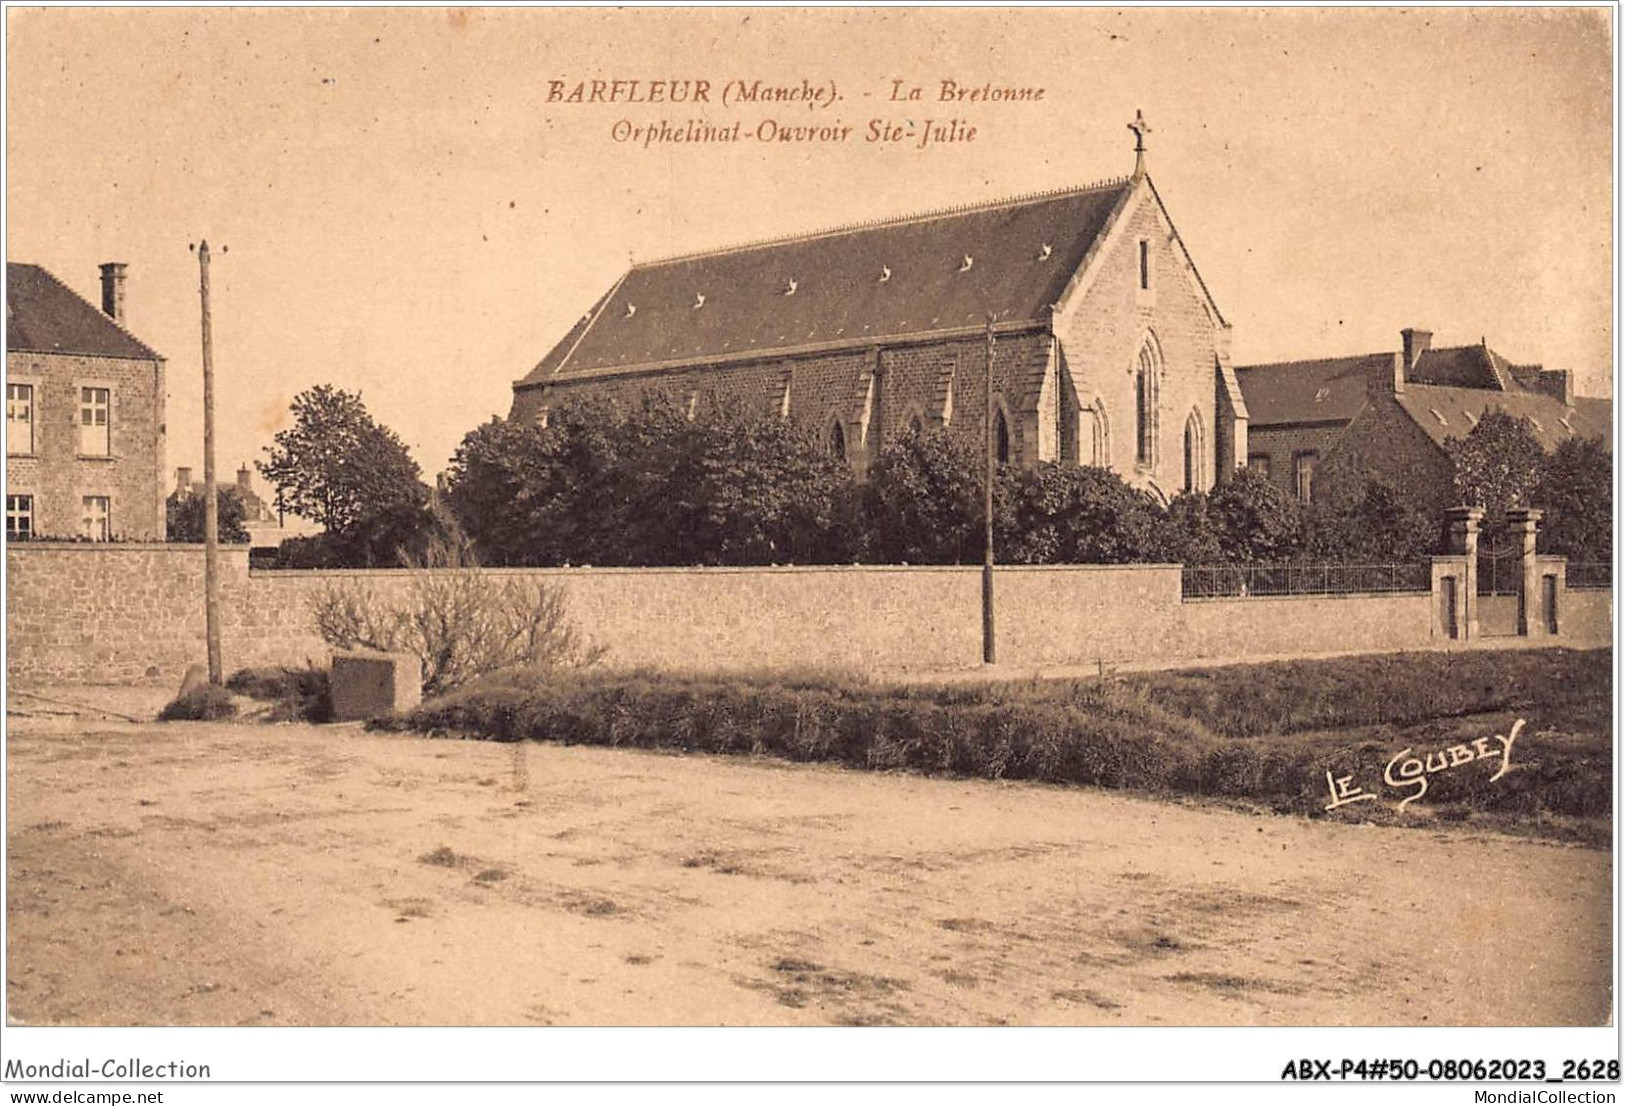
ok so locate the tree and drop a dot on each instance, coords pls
(1379, 525)
(651, 486)
(336, 465)
(1575, 489)
(1496, 466)
(923, 502)
(493, 486)
(767, 492)
(184, 516)
(1189, 534)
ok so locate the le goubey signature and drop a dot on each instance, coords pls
(1405, 770)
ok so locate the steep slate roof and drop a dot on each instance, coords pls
(1328, 390)
(840, 299)
(43, 315)
(1445, 412)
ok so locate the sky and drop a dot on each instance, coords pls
(404, 213)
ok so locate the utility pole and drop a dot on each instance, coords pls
(987, 506)
(211, 505)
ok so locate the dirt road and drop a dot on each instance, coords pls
(231, 874)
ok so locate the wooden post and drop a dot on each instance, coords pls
(211, 505)
(988, 651)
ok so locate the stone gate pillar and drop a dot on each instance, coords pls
(1464, 543)
(1522, 523)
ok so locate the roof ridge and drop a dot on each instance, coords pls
(1313, 360)
(69, 289)
(889, 221)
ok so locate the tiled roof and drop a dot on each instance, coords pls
(1335, 388)
(1330, 389)
(1445, 412)
(43, 315)
(847, 287)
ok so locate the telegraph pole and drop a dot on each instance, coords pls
(987, 506)
(211, 504)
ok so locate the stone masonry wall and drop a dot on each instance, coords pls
(55, 473)
(123, 613)
(1383, 440)
(1101, 338)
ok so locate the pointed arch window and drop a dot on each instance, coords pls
(916, 425)
(1195, 453)
(837, 441)
(1001, 437)
(1095, 443)
(1147, 384)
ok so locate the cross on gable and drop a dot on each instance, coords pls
(1140, 128)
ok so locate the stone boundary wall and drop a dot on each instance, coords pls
(131, 612)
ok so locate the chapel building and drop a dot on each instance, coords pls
(1108, 348)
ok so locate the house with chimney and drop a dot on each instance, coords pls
(1103, 343)
(1390, 414)
(84, 413)
(264, 521)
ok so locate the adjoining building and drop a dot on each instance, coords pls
(84, 414)
(1390, 414)
(1108, 349)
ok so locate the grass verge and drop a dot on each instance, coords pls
(1263, 733)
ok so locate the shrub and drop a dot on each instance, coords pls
(1071, 514)
(300, 694)
(1254, 520)
(204, 703)
(458, 621)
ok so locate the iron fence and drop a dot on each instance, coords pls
(1240, 581)
(1589, 574)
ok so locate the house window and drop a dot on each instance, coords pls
(19, 517)
(1145, 265)
(1145, 407)
(96, 521)
(19, 418)
(1303, 475)
(94, 411)
(1001, 438)
(1259, 463)
(1195, 453)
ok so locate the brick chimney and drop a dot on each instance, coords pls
(1558, 384)
(183, 480)
(1416, 343)
(245, 479)
(1398, 383)
(113, 291)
